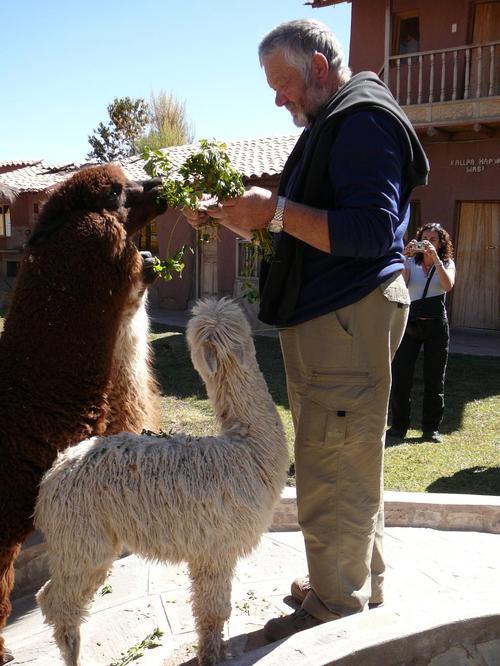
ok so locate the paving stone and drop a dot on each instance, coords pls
(434, 578)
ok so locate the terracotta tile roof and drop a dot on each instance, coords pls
(17, 163)
(317, 4)
(254, 158)
(38, 177)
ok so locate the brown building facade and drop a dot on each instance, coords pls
(441, 60)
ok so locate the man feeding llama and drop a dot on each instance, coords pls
(205, 501)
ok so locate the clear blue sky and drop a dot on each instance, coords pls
(63, 62)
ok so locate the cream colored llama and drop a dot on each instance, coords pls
(205, 501)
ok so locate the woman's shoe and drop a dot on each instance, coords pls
(432, 436)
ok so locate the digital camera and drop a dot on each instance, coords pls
(419, 246)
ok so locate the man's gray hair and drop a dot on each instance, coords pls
(299, 40)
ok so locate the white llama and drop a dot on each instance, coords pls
(205, 501)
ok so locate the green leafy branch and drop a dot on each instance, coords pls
(205, 172)
(175, 264)
(136, 651)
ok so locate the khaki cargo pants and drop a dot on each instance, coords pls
(338, 370)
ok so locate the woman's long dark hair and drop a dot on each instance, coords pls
(445, 250)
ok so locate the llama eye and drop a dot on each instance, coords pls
(113, 196)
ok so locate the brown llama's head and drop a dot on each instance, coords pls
(97, 189)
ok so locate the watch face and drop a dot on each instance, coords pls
(275, 226)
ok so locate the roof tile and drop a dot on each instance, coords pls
(254, 158)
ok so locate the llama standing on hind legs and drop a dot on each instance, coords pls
(73, 352)
(205, 501)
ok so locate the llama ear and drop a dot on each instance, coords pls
(210, 359)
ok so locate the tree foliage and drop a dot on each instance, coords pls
(135, 125)
(128, 119)
(168, 123)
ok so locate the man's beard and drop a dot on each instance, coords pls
(316, 98)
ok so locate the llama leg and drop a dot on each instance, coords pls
(211, 604)
(7, 559)
(64, 601)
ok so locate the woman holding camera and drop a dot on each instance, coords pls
(429, 273)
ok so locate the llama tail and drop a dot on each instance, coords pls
(7, 558)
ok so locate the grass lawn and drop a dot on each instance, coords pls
(468, 460)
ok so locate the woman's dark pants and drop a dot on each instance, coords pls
(434, 335)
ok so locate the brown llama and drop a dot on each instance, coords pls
(73, 354)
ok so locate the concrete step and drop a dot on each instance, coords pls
(442, 608)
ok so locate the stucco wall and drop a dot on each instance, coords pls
(459, 172)
(436, 19)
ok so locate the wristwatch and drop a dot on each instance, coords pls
(276, 224)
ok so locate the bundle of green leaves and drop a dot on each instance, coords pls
(205, 173)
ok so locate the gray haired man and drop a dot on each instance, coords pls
(335, 290)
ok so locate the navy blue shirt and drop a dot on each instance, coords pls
(368, 219)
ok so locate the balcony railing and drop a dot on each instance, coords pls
(460, 73)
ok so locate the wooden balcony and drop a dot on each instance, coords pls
(449, 93)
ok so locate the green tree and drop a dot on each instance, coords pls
(118, 139)
(168, 123)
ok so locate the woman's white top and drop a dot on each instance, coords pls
(418, 278)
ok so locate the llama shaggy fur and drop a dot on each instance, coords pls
(73, 354)
(205, 501)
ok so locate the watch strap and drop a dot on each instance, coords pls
(276, 224)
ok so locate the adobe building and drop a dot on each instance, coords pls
(441, 60)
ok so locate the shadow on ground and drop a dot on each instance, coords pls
(177, 377)
(472, 481)
(468, 378)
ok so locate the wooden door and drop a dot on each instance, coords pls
(208, 271)
(486, 29)
(476, 297)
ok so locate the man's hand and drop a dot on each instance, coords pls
(242, 215)
(252, 211)
(196, 218)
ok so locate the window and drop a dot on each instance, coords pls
(36, 211)
(147, 238)
(12, 269)
(247, 260)
(247, 271)
(407, 35)
(5, 229)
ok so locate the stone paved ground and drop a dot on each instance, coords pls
(430, 572)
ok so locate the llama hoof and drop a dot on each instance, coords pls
(6, 657)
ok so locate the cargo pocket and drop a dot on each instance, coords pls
(333, 406)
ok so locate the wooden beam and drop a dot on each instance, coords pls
(387, 41)
(483, 130)
(437, 133)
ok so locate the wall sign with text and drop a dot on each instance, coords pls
(476, 164)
